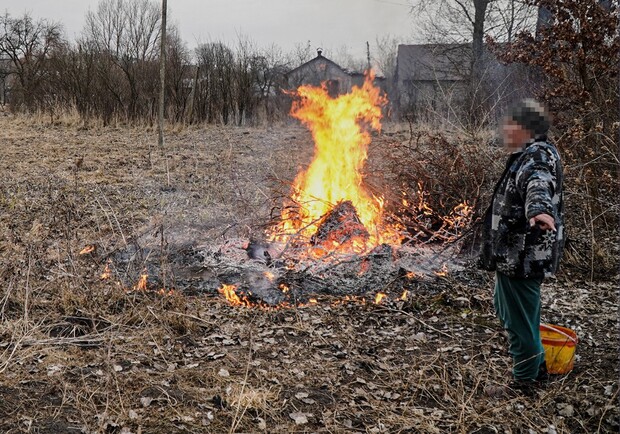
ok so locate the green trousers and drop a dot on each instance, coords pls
(517, 304)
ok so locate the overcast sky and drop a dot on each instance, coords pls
(330, 24)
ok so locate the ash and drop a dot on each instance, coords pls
(271, 274)
(267, 274)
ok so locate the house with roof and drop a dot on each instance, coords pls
(320, 70)
(433, 81)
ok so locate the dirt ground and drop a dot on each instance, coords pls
(80, 354)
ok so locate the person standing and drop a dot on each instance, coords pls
(523, 235)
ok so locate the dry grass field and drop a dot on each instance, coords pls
(81, 354)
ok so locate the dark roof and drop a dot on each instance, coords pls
(321, 58)
(430, 62)
(318, 58)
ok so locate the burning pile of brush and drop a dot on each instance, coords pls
(332, 226)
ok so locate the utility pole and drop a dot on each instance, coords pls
(162, 73)
(368, 54)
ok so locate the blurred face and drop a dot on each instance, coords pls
(514, 136)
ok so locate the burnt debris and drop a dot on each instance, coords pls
(340, 225)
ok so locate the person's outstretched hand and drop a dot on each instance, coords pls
(545, 221)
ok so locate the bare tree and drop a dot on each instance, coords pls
(345, 59)
(127, 29)
(74, 81)
(245, 93)
(179, 78)
(508, 17)
(215, 95)
(270, 66)
(469, 21)
(302, 53)
(128, 32)
(28, 45)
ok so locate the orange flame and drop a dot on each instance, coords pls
(335, 173)
(379, 297)
(107, 273)
(88, 249)
(142, 283)
(461, 215)
(230, 293)
(443, 272)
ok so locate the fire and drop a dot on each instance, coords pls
(339, 128)
(404, 295)
(88, 249)
(142, 283)
(230, 293)
(379, 297)
(443, 272)
(461, 216)
(106, 272)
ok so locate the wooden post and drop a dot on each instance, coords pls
(162, 74)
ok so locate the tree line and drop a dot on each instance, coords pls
(111, 71)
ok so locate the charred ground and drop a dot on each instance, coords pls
(82, 354)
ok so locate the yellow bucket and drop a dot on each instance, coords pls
(559, 344)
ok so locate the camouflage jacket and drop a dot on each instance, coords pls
(530, 185)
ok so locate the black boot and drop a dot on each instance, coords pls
(543, 376)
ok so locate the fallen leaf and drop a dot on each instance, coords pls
(300, 418)
(215, 356)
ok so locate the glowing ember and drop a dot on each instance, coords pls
(364, 267)
(403, 297)
(106, 272)
(379, 297)
(443, 272)
(335, 174)
(88, 249)
(461, 216)
(142, 283)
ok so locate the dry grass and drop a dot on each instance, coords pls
(81, 354)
